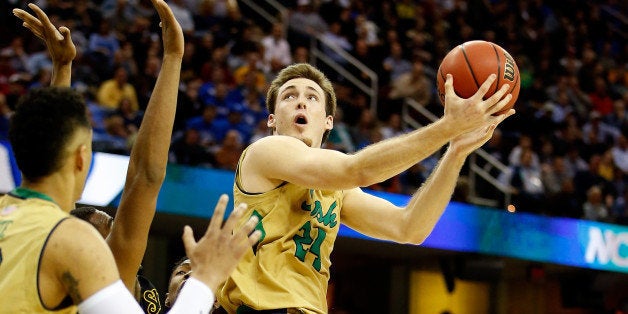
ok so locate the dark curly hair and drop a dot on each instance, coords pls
(44, 122)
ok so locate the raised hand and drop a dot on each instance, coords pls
(217, 253)
(466, 114)
(171, 30)
(58, 41)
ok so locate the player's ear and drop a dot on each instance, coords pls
(271, 121)
(167, 300)
(81, 157)
(329, 122)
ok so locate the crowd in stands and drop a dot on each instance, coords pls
(566, 149)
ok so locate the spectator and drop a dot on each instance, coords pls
(115, 139)
(260, 131)
(597, 135)
(620, 208)
(131, 118)
(367, 30)
(333, 39)
(189, 150)
(414, 84)
(183, 15)
(618, 119)
(254, 110)
(253, 68)
(600, 98)
(236, 121)
(393, 126)
(525, 144)
(18, 58)
(211, 128)
(112, 91)
(585, 179)
(554, 174)
(305, 22)
(188, 103)
(619, 153)
(524, 178)
(395, 63)
(103, 46)
(340, 136)
(228, 153)
(301, 55)
(593, 207)
(277, 52)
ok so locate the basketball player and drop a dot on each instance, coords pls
(128, 235)
(302, 193)
(50, 262)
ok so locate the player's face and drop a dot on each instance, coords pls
(178, 277)
(300, 112)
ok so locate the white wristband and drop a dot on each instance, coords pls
(195, 297)
(114, 298)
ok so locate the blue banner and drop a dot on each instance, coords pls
(193, 192)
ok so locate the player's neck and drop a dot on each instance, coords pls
(60, 191)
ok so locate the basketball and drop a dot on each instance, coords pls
(471, 63)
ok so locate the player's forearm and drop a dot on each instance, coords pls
(149, 155)
(147, 170)
(388, 158)
(428, 204)
(61, 75)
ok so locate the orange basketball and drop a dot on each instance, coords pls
(471, 63)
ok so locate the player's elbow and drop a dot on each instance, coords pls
(414, 235)
(362, 177)
(416, 239)
(149, 175)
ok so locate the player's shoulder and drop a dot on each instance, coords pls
(72, 238)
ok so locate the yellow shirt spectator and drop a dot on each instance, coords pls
(112, 91)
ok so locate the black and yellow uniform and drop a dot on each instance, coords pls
(289, 267)
(27, 218)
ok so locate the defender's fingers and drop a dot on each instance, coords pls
(235, 217)
(45, 21)
(65, 32)
(188, 240)
(219, 213)
(26, 17)
(254, 237)
(164, 11)
(246, 229)
(36, 31)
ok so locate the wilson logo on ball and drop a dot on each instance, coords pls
(509, 69)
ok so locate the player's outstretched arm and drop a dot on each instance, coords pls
(284, 158)
(149, 156)
(379, 218)
(58, 41)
